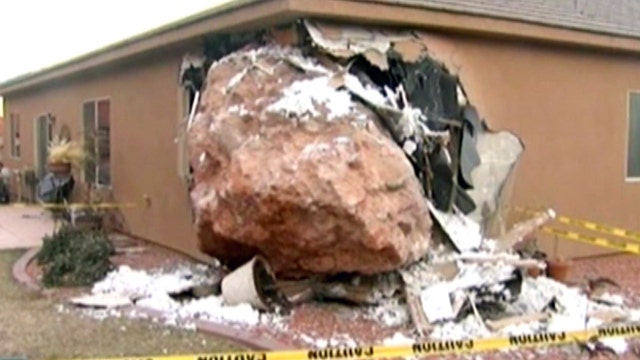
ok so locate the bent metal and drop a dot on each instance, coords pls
(442, 346)
(537, 338)
(340, 353)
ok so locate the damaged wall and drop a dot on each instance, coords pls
(570, 108)
(144, 100)
(549, 96)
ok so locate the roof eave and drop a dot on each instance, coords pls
(379, 12)
(239, 14)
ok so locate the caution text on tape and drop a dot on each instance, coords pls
(422, 349)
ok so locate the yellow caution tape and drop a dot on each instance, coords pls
(595, 240)
(72, 205)
(590, 225)
(421, 349)
(627, 234)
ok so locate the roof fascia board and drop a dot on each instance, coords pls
(406, 15)
(243, 14)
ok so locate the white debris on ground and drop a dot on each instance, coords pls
(398, 338)
(573, 312)
(134, 284)
(338, 340)
(488, 268)
(390, 313)
(153, 290)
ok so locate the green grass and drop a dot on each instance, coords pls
(32, 327)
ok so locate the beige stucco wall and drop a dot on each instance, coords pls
(570, 108)
(144, 118)
(568, 105)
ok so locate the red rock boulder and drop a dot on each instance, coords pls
(288, 165)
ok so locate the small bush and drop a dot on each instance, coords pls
(74, 257)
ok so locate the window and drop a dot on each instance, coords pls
(187, 98)
(14, 135)
(96, 117)
(43, 136)
(633, 142)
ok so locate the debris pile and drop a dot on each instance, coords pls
(351, 161)
(320, 153)
(183, 294)
(347, 164)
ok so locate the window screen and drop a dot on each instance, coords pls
(633, 150)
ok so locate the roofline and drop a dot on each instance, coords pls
(245, 14)
(540, 21)
(464, 23)
(228, 16)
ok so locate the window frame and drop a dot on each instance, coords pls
(95, 100)
(13, 154)
(49, 132)
(184, 110)
(627, 178)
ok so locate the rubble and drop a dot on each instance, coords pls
(162, 290)
(319, 155)
(350, 165)
(254, 284)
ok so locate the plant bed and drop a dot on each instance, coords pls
(152, 257)
(74, 257)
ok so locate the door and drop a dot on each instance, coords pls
(44, 135)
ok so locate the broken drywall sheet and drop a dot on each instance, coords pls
(436, 302)
(499, 156)
(462, 231)
(346, 41)
(380, 81)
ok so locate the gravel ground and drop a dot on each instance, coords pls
(623, 269)
(32, 327)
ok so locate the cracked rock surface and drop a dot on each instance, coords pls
(288, 165)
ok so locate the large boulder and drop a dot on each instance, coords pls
(287, 166)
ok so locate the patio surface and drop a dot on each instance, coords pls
(23, 227)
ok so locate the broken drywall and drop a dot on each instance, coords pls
(320, 154)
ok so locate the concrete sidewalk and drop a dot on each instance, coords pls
(23, 228)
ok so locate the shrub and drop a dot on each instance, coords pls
(74, 257)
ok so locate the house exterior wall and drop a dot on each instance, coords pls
(568, 105)
(144, 101)
(570, 108)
